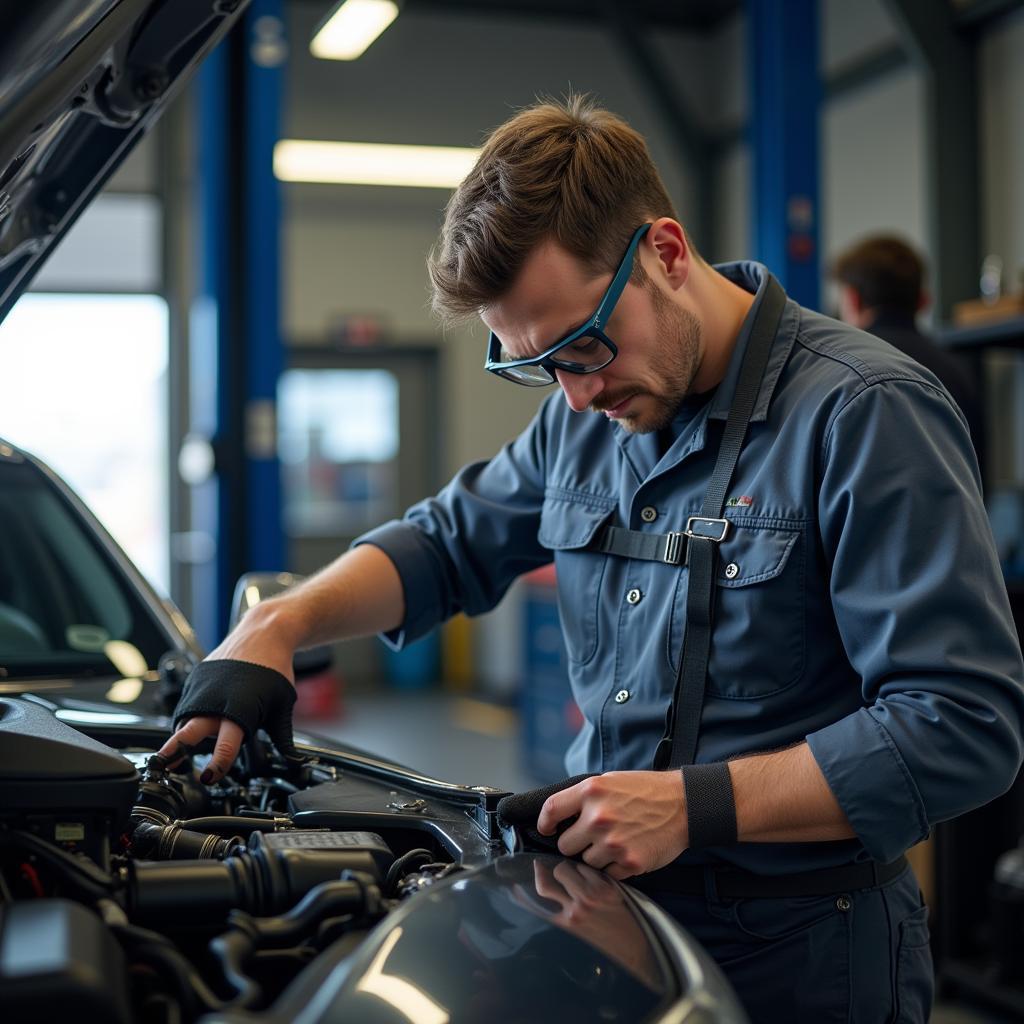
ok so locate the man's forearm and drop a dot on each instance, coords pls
(358, 594)
(783, 797)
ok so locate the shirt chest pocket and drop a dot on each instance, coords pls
(758, 640)
(568, 528)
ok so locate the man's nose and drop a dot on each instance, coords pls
(580, 389)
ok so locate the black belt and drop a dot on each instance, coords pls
(736, 884)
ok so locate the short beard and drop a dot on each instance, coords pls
(677, 354)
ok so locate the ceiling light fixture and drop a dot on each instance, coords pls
(362, 163)
(351, 27)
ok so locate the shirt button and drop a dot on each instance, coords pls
(732, 570)
(622, 696)
(648, 514)
(634, 595)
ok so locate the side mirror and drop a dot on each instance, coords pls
(254, 587)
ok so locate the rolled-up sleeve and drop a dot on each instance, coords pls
(461, 550)
(922, 610)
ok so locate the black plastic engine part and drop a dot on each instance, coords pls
(172, 842)
(275, 872)
(171, 794)
(59, 783)
(56, 959)
(298, 860)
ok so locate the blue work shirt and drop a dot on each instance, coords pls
(860, 603)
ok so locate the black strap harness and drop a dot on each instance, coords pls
(696, 546)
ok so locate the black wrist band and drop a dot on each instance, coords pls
(710, 807)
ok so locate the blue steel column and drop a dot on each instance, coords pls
(235, 354)
(265, 53)
(209, 330)
(785, 93)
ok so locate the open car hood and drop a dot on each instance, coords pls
(81, 81)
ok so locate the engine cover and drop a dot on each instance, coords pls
(58, 782)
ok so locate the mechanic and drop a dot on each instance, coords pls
(881, 290)
(860, 678)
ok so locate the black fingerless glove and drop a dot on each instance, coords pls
(252, 696)
(522, 810)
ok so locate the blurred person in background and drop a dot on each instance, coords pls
(881, 291)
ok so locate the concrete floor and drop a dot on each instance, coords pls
(464, 740)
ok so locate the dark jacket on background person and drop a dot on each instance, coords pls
(955, 373)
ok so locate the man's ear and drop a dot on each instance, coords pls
(924, 300)
(666, 241)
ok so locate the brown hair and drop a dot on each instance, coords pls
(566, 170)
(884, 271)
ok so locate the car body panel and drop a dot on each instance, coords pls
(81, 82)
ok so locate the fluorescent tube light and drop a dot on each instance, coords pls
(351, 27)
(362, 163)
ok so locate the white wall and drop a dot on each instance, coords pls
(873, 170)
(732, 209)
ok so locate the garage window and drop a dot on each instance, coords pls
(84, 387)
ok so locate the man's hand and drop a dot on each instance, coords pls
(628, 823)
(252, 642)
(229, 742)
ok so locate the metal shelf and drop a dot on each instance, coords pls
(1002, 334)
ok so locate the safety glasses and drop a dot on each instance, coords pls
(585, 350)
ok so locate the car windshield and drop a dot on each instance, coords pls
(65, 608)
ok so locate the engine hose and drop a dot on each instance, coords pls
(231, 824)
(232, 950)
(172, 842)
(400, 866)
(328, 899)
(81, 875)
(151, 947)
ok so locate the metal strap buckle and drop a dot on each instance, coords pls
(675, 548)
(706, 526)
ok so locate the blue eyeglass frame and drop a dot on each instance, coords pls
(591, 329)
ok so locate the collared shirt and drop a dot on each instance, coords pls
(859, 606)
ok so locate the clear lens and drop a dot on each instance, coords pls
(532, 376)
(584, 354)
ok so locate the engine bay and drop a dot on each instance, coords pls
(135, 893)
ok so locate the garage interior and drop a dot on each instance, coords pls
(282, 386)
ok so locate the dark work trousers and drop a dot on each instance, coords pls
(860, 957)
